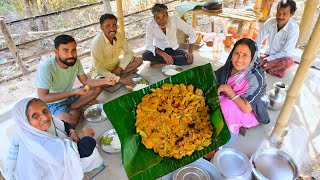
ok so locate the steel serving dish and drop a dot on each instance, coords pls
(170, 70)
(139, 83)
(95, 113)
(191, 172)
(232, 164)
(202, 164)
(108, 148)
(273, 164)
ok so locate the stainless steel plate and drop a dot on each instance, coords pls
(95, 114)
(273, 164)
(191, 172)
(108, 148)
(204, 165)
(232, 164)
(139, 83)
(170, 70)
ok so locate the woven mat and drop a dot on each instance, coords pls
(94, 173)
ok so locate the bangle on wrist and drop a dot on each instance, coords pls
(71, 131)
(234, 97)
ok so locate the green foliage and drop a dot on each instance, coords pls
(5, 6)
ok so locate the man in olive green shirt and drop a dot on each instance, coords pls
(105, 50)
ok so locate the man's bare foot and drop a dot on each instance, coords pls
(152, 63)
(128, 74)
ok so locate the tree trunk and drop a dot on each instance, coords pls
(27, 9)
(37, 13)
(45, 10)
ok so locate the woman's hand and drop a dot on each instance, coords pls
(74, 136)
(225, 88)
(88, 131)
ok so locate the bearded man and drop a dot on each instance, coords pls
(55, 78)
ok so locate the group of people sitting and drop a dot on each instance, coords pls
(46, 121)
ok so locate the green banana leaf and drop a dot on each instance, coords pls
(142, 163)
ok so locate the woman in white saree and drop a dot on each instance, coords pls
(41, 148)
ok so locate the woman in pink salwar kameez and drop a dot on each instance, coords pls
(242, 88)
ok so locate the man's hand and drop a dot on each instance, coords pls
(126, 81)
(88, 131)
(167, 58)
(81, 91)
(109, 81)
(225, 88)
(189, 57)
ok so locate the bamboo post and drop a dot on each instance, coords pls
(240, 30)
(120, 16)
(194, 20)
(306, 20)
(12, 47)
(307, 59)
(252, 28)
(256, 10)
(107, 6)
(257, 6)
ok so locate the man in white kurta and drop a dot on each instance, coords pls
(283, 33)
(161, 39)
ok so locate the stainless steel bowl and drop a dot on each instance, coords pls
(170, 70)
(232, 164)
(273, 164)
(191, 172)
(95, 113)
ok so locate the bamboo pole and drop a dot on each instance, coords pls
(256, 10)
(257, 6)
(252, 28)
(307, 59)
(306, 20)
(120, 16)
(12, 47)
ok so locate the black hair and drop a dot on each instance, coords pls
(63, 39)
(107, 16)
(249, 42)
(159, 8)
(288, 3)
